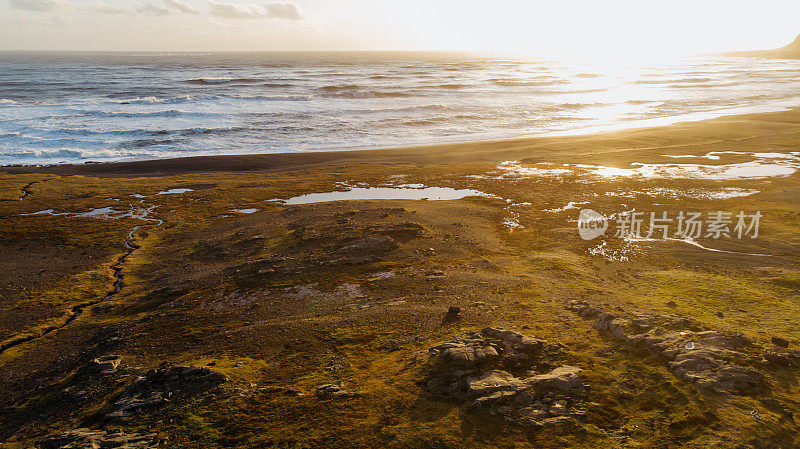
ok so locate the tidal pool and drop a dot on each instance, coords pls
(386, 193)
(174, 191)
(763, 165)
(102, 213)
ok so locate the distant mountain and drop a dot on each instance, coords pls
(790, 51)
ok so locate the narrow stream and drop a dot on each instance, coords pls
(26, 191)
(76, 311)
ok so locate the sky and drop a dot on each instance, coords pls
(539, 28)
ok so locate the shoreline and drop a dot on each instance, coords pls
(495, 150)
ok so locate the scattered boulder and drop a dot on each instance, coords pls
(493, 381)
(780, 342)
(293, 391)
(516, 341)
(106, 364)
(583, 309)
(452, 315)
(465, 354)
(74, 392)
(564, 379)
(96, 439)
(787, 358)
(328, 391)
(127, 406)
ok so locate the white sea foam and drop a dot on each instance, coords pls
(192, 104)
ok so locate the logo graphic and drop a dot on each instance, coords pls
(591, 224)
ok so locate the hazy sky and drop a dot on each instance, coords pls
(549, 28)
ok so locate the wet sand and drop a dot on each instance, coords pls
(750, 132)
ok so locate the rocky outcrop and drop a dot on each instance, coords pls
(158, 386)
(493, 381)
(97, 439)
(466, 354)
(503, 372)
(453, 314)
(719, 361)
(779, 357)
(106, 364)
(401, 232)
(564, 379)
(329, 391)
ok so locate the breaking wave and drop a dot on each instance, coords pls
(135, 106)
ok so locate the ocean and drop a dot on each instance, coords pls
(81, 107)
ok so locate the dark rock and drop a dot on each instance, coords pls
(775, 405)
(789, 358)
(157, 385)
(493, 399)
(583, 309)
(74, 392)
(127, 406)
(452, 315)
(505, 335)
(369, 245)
(434, 274)
(493, 381)
(292, 391)
(464, 354)
(401, 232)
(515, 340)
(780, 342)
(328, 391)
(558, 421)
(96, 439)
(564, 379)
(106, 364)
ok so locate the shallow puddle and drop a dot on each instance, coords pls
(763, 165)
(695, 243)
(693, 193)
(570, 205)
(102, 213)
(174, 191)
(387, 193)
